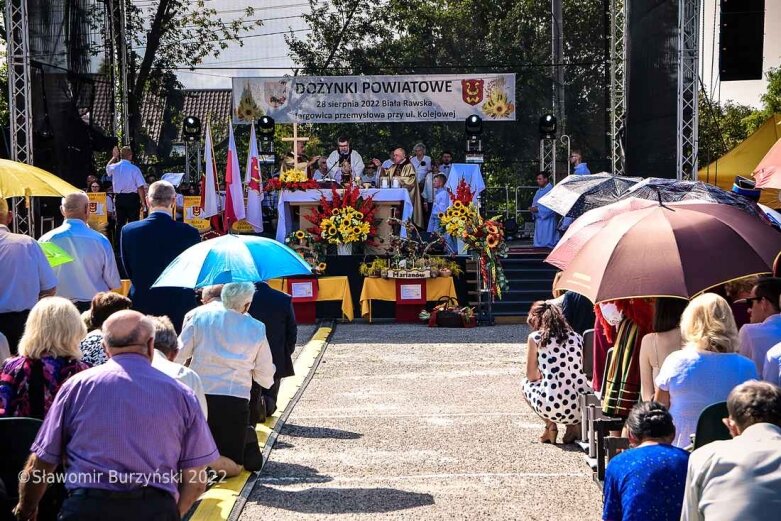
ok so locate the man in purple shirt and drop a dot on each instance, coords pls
(133, 440)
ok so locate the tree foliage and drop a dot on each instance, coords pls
(470, 36)
(722, 126)
(168, 34)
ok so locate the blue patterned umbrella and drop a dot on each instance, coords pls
(577, 194)
(232, 258)
(671, 190)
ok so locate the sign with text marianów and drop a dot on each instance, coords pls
(375, 99)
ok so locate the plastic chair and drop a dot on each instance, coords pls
(587, 357)
(710, 426)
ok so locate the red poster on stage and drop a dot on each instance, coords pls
(304, 293)
(410, 299)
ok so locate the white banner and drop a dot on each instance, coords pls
(375, 99)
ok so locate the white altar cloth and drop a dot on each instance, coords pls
(285, 218)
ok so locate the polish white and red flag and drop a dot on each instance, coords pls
(209, 199)
(234, 192)
(254, 185)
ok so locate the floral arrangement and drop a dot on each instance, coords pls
(292, 180)
(483, 236)
(309, 247)
(454, 220)
(374, 268)
(486, 237)
(347, 218)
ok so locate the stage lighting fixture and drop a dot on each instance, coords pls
(548, 126)
(473, 125)
(266, 127)
(191, 129)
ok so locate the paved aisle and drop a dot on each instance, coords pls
(395, 426)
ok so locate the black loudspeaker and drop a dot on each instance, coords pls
(741, 37)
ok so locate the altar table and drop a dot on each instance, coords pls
(312, 197)
(385, 289)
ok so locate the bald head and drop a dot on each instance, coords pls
(399, 155)
(128, 332)
(161, 195)
(75, 206)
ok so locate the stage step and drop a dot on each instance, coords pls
(530, 279)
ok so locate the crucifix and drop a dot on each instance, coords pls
(296, 140)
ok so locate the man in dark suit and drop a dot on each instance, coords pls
(275, 310)
(147, 247)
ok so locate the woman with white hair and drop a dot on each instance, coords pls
(706, 369)
(49, 354)
(229, 350)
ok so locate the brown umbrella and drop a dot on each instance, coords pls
(671, 251)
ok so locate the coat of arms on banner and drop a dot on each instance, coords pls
(472, 91)
(275, 93)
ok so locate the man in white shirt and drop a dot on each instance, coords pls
(25, 277)
(166, 349)
(421, 162)
(739, 479)
(129, 186)
(345, 154)
(229, 351)
(94, 268)
(764, 331)
(445, 163)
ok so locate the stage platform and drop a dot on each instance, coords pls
(347, 265)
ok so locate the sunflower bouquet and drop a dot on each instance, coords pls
(347, 218)
(291, 180)
(455, 219)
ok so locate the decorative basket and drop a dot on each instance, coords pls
(446, 313)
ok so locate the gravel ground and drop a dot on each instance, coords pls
(404, 422)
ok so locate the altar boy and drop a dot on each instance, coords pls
(441, 202)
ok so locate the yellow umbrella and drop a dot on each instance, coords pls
(21, 180)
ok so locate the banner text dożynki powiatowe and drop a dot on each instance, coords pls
(373, 99)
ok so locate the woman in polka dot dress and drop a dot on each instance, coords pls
(554, 373)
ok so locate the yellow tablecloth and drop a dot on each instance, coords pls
(329, 288)
(124, 288)
(385, 289)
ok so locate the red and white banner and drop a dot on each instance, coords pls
(209, 199)
(254, 185)
(234, 192)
